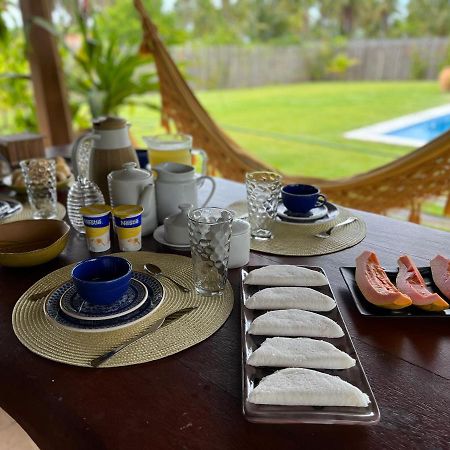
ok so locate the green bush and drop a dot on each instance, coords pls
(419, 67)
(340, 63)
(328, 59)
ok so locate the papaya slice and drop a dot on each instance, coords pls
(375, 285)
(410, 282)
(440, 270)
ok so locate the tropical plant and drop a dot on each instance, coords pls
(17, 112)
(100, 72)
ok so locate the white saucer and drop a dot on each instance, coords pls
(158, 234)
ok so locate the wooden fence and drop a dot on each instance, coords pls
(379, 59)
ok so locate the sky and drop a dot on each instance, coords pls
(167, 5)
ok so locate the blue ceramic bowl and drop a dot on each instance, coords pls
(102, 280)
(301, 198)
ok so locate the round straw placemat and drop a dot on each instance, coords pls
(26, 213)
(292, 239)
(42, 336)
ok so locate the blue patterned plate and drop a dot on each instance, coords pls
(322, 214)
(154, 299)
(75, 306)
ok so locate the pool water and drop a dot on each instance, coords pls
(424, 131)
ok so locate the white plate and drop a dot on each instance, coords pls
(158, 234)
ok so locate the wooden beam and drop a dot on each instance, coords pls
(49, 87)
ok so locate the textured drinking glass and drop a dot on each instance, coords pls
(263, 190)
(40, 180)
(209, 234)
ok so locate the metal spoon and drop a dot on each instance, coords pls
(326, 234)
(155, 271)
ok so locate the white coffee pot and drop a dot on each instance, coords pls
(133, 186)
(177, 184)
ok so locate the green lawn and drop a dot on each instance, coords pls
(298, 129)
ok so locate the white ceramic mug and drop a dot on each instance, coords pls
(239, 244)
(176, 226)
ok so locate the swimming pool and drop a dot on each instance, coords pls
(413, 130)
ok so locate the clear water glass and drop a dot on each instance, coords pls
(40, 180)
(263, 190)
(210, 233)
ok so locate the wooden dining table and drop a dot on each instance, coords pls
(192, 400)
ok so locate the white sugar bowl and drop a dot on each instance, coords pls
(176, 226)
(239, 244)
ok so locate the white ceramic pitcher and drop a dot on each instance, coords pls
(133, 186)
(177, 184)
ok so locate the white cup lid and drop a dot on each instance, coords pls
(240, 226)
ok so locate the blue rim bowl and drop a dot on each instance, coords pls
(102, 280)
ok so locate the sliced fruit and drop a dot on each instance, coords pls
(410, 282)
(440, 270)
(375, 285)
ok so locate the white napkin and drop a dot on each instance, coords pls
(295, 322)
(300, 352)
(290, 297)
(308, 388)
(285, 275)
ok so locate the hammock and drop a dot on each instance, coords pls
(405, 182)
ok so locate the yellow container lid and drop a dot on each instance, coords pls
(124, 211)
(95, 210)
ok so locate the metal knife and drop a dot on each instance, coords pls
(151, 329)
(39, 295)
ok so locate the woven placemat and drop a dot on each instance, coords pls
(42, 336)
(291, 239)
(26, 213)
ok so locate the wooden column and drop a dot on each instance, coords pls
(50, 92)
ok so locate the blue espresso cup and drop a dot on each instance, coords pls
(102, 280)
(301, 198)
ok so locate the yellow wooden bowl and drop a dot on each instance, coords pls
(31, 242)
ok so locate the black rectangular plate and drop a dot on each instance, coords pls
(368, 309)
(251, 376)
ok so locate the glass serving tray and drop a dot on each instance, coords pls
(368, 309)
(251, 376)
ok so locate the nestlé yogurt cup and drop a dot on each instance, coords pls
(127, 221)
(96, 219)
